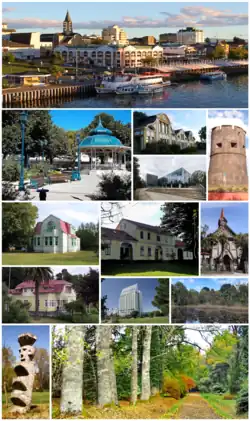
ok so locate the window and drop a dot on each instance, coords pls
(51, 241)
(158, 238)
(56, 241)
(142, 251)
(107, 250)
(218, 145)
(46, 303)
(233, 144)
(51, 226)
(148, 235)
(141, 235)
(34, 241)
(46, 241)
(149, 251)
(38, 241)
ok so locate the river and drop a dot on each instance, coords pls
(209, 315)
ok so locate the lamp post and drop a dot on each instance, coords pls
(23, 121)
(43, 143)
(78, 140)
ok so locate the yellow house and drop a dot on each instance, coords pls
(53, 295)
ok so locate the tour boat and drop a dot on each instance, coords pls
(150, 89)
(110, 84)
(127, 90)
(213, 76)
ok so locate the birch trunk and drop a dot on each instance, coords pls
(105, 394)
(145, 380)
(134, 373)
(72, 375)
(113, 386)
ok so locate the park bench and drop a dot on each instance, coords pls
(36, 182)
(58, 178)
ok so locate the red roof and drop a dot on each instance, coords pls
(65, 226)
(38, 228)
(53, 285)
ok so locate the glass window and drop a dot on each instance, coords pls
(56, 241)
(141, 235)
(149, 251)
(158, 238)
(46, 241)
(148, 235)
(38, 241)
(142, 251)
(51, 241)
(107, 250)
(51, 226)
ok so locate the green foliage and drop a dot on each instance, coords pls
(156, 366)
(10, 170)
(171, 387)
(114, 187)
(203, 134)
(9, 192)
(138, 182)
(161, 298)
(204, 385)
(14, 311)
(89, 236)
(242, 400)
(8, 58)
(198, 177)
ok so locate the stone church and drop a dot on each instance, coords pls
(223, 256)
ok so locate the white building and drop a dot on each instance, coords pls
(174, 50)
(190, 36)
(20, 51)
(132, 240)
(180, 176)
(130, 301)
(55, 236)
(115, 34)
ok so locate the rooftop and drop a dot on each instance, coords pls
(100, 136)
(114, 234)
(51, 286)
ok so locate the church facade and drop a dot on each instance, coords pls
(55, 236)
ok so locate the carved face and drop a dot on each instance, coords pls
(27, 353)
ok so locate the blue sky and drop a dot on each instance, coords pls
(223, 20)
(212, 283)
(235, 213)
(10, 334)
(74, 213)
(148, 213)
(78, 119)
(112, 287)
(187, 120)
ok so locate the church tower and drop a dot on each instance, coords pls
(222, 222)
(67, 24)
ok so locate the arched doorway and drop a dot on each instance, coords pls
(226, 261)
(126, 251)
(158, 253)
(180, 254)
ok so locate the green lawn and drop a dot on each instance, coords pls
(160, 319)
(37, 397)
(78, 258)
(149, 269)
(223, 408)
(23, 67)
(39, 411)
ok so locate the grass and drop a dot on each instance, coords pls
(23, 67)
(52, 320)
(149, 268)
(152, 409)
(41, 410)
(223, 408)
(79, 258)
(160, 319)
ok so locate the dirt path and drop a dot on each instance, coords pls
(195, 407)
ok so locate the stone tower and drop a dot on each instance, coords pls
(228, 165)
(67, 24)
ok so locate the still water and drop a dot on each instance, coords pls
(232, 93)
(194, 315)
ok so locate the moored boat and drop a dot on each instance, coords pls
(127, 90)
(110, 84)
(210, 76)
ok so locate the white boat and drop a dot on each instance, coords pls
(210, 76)
(110, 84)
(151, 89)
(127, 90)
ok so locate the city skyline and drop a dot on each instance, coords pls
(216, 20)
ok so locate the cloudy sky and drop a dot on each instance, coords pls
(73, 270)
(223, 20)
(183, 119)
(74, 213)
(162, 165)
(148, 213)
(212, 283)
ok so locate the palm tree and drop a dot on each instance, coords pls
(38, 275)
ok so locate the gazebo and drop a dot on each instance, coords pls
(100, 145)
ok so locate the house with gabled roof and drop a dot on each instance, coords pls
(55, 236)
(132, 240)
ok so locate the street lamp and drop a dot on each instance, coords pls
(23, 121)
(78, 140)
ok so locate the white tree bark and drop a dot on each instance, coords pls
(72, 375)
(134, 373)
(105, 393)
(145, 380)
(113, 386)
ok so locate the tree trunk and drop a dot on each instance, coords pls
(145, 378)
(37, 284)
(113, 386)
(105, 379)
(134, 373)
(72, 378)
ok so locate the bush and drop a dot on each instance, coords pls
(242, 400)
(218, 388)
(228, 397)
(113, 187)
(188, 381)
(204, 385)
(10, 171)
(172, 387)
(9, 192)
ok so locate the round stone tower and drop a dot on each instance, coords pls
(228, 164)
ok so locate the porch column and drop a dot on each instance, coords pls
(125, 159)
(91, 159)
(95, 158)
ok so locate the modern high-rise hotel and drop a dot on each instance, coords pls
(130, 300)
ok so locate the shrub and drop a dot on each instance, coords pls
(113, 187)
(242, 400)
(188, 381)
(228, 397)
(204, 385)
(11, 171)
(218, 388)
(172, 387)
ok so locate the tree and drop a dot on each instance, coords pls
(72, 382)
(114, 187)
(14, 311)
(181, 219)
(145, 375)
(138, 182)
(134, 368)
(18, 224)
(8, 373)
(156, 363)
(8, 58)
(207, 40)
(161, 298)
(87, 287)
(38, 275)
(89, 236)
(198, 177)
(203, 134)
(42, 361)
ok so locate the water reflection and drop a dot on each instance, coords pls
(196, 315)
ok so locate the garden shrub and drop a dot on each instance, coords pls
(172, 387)
(188, 381)
(11, 171)
(218, 388)
(242, 400)
(204, 385)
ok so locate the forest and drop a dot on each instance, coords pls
(85, 309)
(229, 304)
(150, 372)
